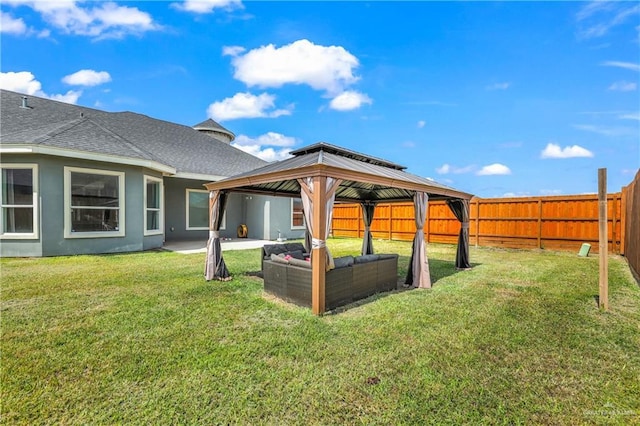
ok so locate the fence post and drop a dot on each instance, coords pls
(540, 223)
(477, 222)
(603, 299)
(614, 218)
(390, 219)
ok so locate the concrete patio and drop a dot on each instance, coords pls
(199, 246)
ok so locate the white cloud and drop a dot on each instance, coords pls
(421, 124)
(515, 194)
(409, 144)
(25, 82)
(246, 105)
(494, 169)
(626, 65)
(232, 50)
(101, 20)
(349, 100)
(553, 150)
(606, 131)
(597, 18)
(206, 6)
(328, 68)
(87, 78)
(262, 146)
(623, 86)
(71, 97)
(10, 25)
(630, 116)
(268, 139)
(499, 86)
(447, 168)
(551, 191)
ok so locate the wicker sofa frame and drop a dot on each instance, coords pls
(342, 285)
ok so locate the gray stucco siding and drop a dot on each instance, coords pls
(52, 241)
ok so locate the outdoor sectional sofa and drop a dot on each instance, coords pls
(353, 278)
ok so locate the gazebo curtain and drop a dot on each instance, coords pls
(418, 273)
(215, 268)
(368, 209)
(306, 192)
(460, 209)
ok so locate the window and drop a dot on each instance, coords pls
(19, 218)
(94, 203)
(297, 214)
(198, 210)
(154, 206)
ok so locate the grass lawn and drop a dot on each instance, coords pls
(143, 339)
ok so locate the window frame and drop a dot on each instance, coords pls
(295, 227)
(68, 208)
(223, 225)
(160, 209)
(34, 205)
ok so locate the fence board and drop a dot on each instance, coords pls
(556, 222)
(630, 224)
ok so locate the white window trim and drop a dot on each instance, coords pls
(36, 197)
(291, 211)
(67, 204)
(159, 231)
(223, 225)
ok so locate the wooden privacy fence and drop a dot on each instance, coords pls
(556, 222)
(631, 226)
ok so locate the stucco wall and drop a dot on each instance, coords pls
(176, 211)
(51, 240)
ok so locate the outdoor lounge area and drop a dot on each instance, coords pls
(353, 278)
(321, 175)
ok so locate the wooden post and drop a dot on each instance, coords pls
(427, 225)
(614, 213)
(477, 222)
(539, 223)
(390, 220)
(360, 219)
(319, 254)
(604, 243)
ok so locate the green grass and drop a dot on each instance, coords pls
(144, 339)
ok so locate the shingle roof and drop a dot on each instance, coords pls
(126, 134)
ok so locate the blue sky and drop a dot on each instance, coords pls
(496, 99)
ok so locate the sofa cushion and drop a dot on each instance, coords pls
(387, 256)
(366, 258)
(296, 254)
(301, 263)
(294, 247)
(274, 249)
(343, 262)
(279, 258)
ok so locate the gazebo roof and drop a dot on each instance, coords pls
(364, 178)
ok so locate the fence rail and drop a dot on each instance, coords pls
(555, 222)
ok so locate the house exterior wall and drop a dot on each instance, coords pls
(176, 211)
(52, 241)
(266, 216)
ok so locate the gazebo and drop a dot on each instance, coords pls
(322, 174)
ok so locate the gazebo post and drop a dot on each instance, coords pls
(319, 251)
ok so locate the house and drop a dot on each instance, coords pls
(77, 180)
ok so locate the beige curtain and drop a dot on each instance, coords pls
(418, 274)
(214, 267)
(306, 192)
